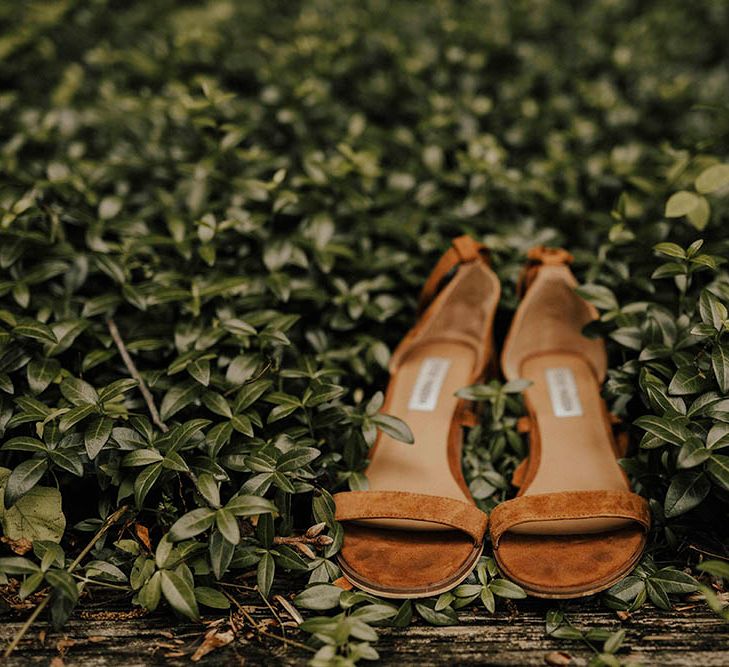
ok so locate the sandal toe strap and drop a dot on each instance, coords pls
(566, 505)
(362, 505)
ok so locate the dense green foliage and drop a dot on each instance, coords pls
(252, 193)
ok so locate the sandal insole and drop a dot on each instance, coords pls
(575, 451)
(422, 394)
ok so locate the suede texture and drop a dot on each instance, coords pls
(402, 564)
(362, 505)
(567, 566)
(545, 507)
(551, 543)
(384, 551)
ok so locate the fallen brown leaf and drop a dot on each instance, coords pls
(213, 640)
(343, 583)
(142, 533)
(289, 608)
(558, 658)
(20, 546)
(62, 645)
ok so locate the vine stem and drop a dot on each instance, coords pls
(134, 372)
(110, 521)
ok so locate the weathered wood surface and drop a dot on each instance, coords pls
(690, 635)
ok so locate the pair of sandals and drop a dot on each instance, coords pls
(575, 528)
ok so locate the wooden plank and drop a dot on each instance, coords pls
(96, 638)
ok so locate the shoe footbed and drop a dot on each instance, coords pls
(569, 558)
(569, 565)
(399, 558)
(406, 562)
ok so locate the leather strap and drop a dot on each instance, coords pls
(360, 505)
(536, 258)
(463, 250)
(568, 505)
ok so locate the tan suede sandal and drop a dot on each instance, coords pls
(417, 532)
(575, 527)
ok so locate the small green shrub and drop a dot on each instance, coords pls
(236, 204)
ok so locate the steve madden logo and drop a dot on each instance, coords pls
(428, 384)
(563, 392)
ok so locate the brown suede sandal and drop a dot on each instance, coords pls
(417, 532)
(575, 527)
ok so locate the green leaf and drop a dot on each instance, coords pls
(37, 515)
(17, 565)
(720, 364)
(24, 444)
(141, 457)
(179, 594)
(191, 524)
(211, 597)
(264, 574)
(373, 613)
(681, 203)
(297, 458)
(145, 481)
(688, 380)
(248, 505)
(41, 372)
(78, 392)
(670, 250)
(68, 460)
(614, 641)
(668, 430)
(63, 584)
(718, 436)
(692, 453)
(718, 469)
(717, 568)
(657, 595)
(686, 491)
(35, 331)
(200, 370)
(241, 369)
(116, 388)
(179, 397)
(319, 597)
(249, 394)
(97, 435)
(404, 615)
(227, 525)
(507, 589)
(217, 404)
(75, 415)
(712, 179)
(699, 218)
(149, 595)
(221, 554)
(394, 427)
(23, 478)
(674, 581)
(712, 311)
(440, 618)
(600, 296)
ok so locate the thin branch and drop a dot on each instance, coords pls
(272, 635)
(129, 363)
(110, 521)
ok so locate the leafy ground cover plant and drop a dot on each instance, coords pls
(214, 220)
